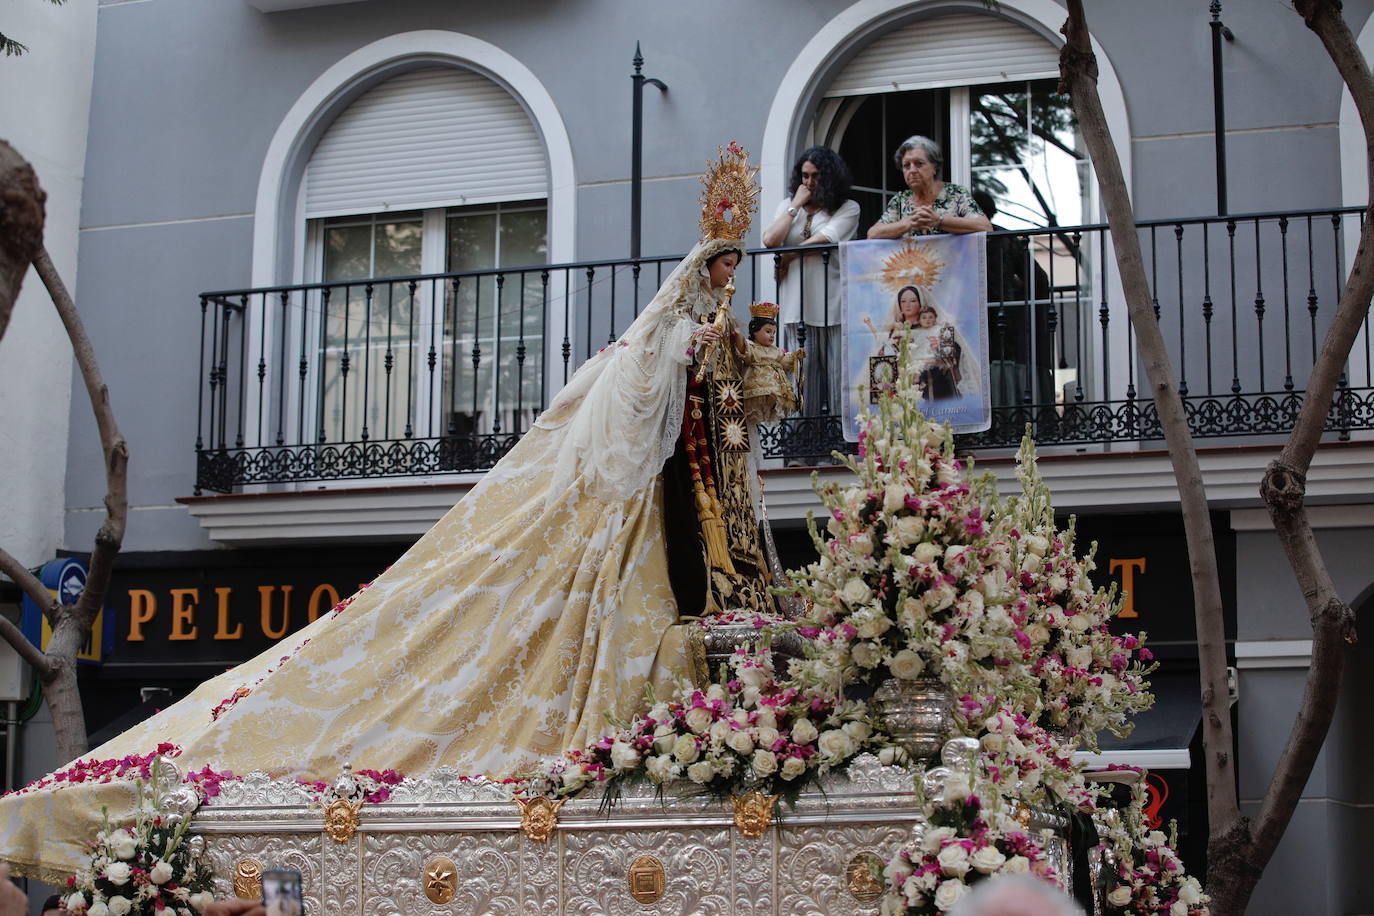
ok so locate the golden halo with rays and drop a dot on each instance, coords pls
(729, 194)
(913, 265)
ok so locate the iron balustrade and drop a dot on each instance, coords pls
(442, 373)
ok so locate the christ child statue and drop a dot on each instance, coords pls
(767, 392)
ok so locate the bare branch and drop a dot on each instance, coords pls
(40, 663)
(1078, 78)
(110, 537)
(29, 583)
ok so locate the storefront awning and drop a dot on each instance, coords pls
(1162, 734)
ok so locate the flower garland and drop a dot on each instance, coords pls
(92, 770)
(148, 868)
(1146, 876)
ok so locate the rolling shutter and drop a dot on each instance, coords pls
(430, 138)
(956, 50)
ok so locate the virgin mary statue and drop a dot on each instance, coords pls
(537, 606)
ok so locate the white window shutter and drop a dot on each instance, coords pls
(962, 49)
(437, 137)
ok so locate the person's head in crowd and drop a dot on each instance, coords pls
(985, 203)
(920, 160)
(52, 906)
(825, 174)
(1015, 895)
(908, 305)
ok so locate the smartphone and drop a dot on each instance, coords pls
(281, 892)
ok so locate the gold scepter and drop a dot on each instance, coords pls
(721, 323)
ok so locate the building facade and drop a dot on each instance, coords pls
(335, 256)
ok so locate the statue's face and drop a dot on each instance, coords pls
(928, 318)
(722, 269)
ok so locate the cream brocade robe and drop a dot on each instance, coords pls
(536, 606)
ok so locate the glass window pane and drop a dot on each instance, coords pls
(524, 238)
(998, 122)
(347, 252)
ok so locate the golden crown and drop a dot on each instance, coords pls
(729, 195)
(764, 310)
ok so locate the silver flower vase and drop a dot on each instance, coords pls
(918, 714)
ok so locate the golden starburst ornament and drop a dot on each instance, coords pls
(729, 195)
(912, 265)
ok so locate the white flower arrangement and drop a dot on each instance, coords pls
(147, 868)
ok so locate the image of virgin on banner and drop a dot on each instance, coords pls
(928, 294)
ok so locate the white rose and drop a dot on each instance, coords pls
(1016, 865)
(906, 664)
(835, 745)
(1038, 634)
(988, 859)
(933, 838)
(1080, 622)
(766, 736)
(203, 899)
(1119, 895)
(907, 529)
(1178, 909)
(925, 552)
(120, 906)
(122, 844)
(1079, 657)
(937, 599)
(659, 768)
(161, 872)
(973, 600)
(855, 591)
(897, 871)
(873, 625)
(894, 498)
(753, 676)
(1156, 838)
(793, 767)
(685, 749)
(98, 909)
(1035, 544)
(740, 742)
(803, 732)
(719, 731)
(865, 654)
(1191, 892)
(956, 556)
(623, 757)
(993, 744)
(716, 692)
(664, 736)
(953, 860)
(861, 543)
(949, 892)
(1031, 563)
(763, 762)
(76, 903)
(118, 873)
(660, 713)
(698, 719)
(859, 731)
(701, 772)
(767, 718)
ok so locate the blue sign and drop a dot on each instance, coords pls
(65, 579)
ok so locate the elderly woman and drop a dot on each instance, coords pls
(929, 206)
(816, 211)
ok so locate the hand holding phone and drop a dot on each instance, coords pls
(281, 892)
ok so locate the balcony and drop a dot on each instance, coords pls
(421, 378)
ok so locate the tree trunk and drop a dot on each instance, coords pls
(1078, 77)
(21, 226)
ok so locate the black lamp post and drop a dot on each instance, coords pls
(638, 79)
(1219, 31)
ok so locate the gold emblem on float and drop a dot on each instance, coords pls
(341, 819)
(440, 879)
(646, 879)
(248, 879)
(753, 813)
(539, 816)
(860, 878)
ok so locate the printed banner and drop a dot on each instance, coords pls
(933, 288)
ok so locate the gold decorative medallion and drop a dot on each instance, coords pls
(646, 879)
(1023, 815)
(248, 879)
(341, 819)
(440, 879)
(753, 813)
(539, 816)
(860, 877)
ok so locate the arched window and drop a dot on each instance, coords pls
(434, 170)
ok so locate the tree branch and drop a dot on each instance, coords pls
(40, 663)
(1078, 78)
(110, 537)
(29, 583)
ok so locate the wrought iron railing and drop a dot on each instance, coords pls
(442, 373)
